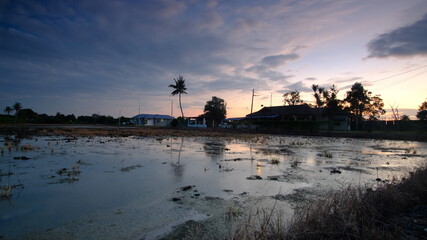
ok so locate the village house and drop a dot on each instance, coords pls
(152, 120)
(324, 117)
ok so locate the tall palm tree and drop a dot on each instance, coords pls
(17, 107)
(179, 88)
(8, 110)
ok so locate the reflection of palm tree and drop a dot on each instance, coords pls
(178, 167)
(179, 89)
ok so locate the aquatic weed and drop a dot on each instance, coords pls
(275, 160)
(325, 153)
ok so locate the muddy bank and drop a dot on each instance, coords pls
(121, 131)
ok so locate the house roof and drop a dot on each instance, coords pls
(286, 110)
(152, 116)
(303, 109)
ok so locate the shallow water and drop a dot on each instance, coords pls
(122, 188)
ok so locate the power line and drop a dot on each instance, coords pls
(401, 81)
(398, 74)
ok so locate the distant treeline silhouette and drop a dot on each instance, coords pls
(27, 115)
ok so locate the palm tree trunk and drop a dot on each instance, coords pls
(180, 106)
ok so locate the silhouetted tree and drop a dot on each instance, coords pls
(404, 117)
(376, 108)
(8, 110)
(17, 107)
(327, 98)
(292, 98)
(360, 103)
(179, 88)
(332, 101)
(215, 109)
(27, 115)
(319, 93)
(70, 118)
(422, 111)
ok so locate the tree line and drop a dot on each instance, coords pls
(358, 102)
(18, 114)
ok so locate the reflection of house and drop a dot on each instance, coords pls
(196, 122)
(152, 120)
(338, 120)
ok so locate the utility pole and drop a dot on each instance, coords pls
(172, 108)
(271, 99)
(252, 103)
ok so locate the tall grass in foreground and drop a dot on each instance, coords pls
(352, 213)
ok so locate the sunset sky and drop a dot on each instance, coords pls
(112, 57)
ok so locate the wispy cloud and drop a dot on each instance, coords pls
(116, 53)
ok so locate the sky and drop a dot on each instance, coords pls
(119, 57)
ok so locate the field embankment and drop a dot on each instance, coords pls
(121, 131)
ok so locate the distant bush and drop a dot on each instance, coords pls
(174, 123)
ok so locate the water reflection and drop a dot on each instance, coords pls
(214, 149)
(178, 167)
(116, 167)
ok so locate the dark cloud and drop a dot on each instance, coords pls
(402, 42)
(299, 86)
(228, 83)
(311, 79)
(95, 46)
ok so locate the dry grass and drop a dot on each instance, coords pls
(6, 192)
(275, 161)
(352, 213)
(74, 132)
(325, 154)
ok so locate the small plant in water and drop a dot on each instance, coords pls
(6, 192)
(325, 153)
(275, 160)
(28, 147)
(233, 211)
(411, 150)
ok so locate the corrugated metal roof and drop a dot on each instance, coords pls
(152, 116)
(303, 109)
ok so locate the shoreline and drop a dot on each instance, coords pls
(78, 130)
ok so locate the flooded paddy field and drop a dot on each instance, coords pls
(143, 187)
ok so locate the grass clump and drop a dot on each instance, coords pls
(325, 154)
(6, 192)
(411, 150)
(275, 161)
(352, 213)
